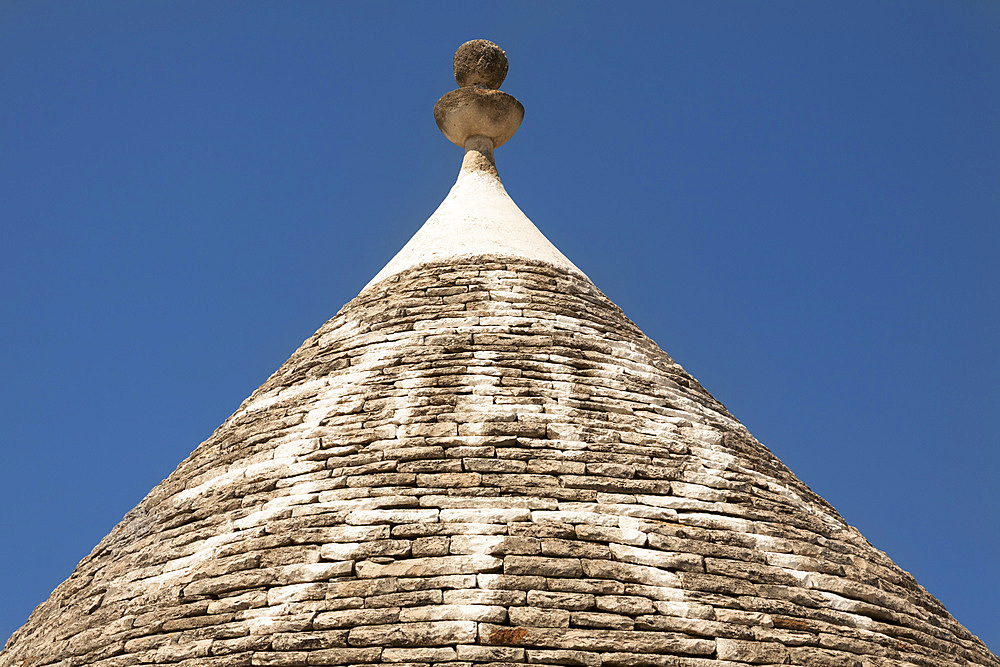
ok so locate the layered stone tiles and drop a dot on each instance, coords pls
(484, 462)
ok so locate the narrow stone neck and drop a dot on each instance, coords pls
(479, 155)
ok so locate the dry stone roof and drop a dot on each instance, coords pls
(481, 461)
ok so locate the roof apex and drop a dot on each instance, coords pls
(477, 217)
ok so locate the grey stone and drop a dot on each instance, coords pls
(435, 633)
(473, 451)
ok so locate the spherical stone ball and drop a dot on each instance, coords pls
(480, 62)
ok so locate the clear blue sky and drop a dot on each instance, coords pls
(798, 201)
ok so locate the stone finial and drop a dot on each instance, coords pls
(480, 62)
(477, 116)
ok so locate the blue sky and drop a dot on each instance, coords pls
(798, 201)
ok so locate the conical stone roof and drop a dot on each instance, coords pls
(481, 461)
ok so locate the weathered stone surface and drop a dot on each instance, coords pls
(576, 658)
(596, 640)
(345, 656)
(558, 600)
(442, 654)
(484, 462)
(363, 550)
(435, 633)
(349, 618)
(497, 654)
(755, 653)
(454, 612)
(623, 604)
(547, 567)
(429, 567)
(480, 62)
(539, 617)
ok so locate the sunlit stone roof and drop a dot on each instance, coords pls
(481, 461)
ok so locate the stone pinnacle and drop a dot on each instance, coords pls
(480, 62)
(477, 116)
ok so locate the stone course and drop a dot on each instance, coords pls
(485, 463)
